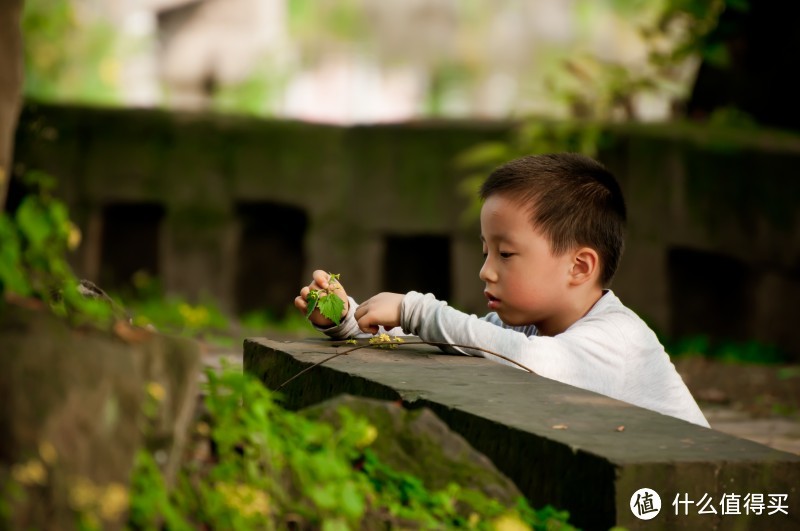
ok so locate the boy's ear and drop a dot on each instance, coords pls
(585, 265)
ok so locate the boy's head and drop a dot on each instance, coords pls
(572, 200)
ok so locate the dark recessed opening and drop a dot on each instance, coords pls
(129, 243)
(271, 259)
(710, 294)
(417, 263)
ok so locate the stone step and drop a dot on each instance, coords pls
(568, 447)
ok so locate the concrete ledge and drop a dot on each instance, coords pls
(561, 445)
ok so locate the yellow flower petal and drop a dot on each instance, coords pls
(47, 452)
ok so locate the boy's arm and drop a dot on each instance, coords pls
(589, 358)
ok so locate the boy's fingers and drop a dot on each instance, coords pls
(321, 278)
(366, 327)
(364, 322)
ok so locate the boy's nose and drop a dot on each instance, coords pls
(486, 273)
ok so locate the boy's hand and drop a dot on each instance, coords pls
(321, 281)
(381, 310)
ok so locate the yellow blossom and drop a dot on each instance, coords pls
(509, 522)
(83, 494)
(73, 236)
(245, 499)
(114, 501)
(47, 452)
(370, 434)
(474, 519)
(156, 390)
(194, 317)
(382, 338)
(31, 473)
(202, 428)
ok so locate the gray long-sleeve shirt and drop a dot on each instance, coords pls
(610, 350)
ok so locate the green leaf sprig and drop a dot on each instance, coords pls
(329, 303)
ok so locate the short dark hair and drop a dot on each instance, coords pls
(574, 201)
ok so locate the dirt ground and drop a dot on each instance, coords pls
(756, 402)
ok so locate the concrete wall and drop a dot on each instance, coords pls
(713, 244)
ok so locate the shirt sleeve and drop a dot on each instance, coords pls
(589, 356)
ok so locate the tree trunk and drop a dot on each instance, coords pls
(11, 77)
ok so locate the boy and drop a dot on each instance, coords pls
(552, 229)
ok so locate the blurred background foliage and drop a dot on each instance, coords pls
(69, 56)
(609, 59)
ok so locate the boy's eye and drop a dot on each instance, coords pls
(506, 255)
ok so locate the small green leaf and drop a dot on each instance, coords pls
(312, 305)
(12, 273)
(331, 306)
(324, 495)
(311, 299)
(352, 502)
(32, 221)
(484, 154)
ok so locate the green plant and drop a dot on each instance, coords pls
(329, 306)
(265, 320)
(724, 350)
(694, 25)
(677, 34)
(177, 316)
(204, 320)
(528, 138)
(33, 244)
(273, 469)
(151, 307)
(69, 54)
(597, 92)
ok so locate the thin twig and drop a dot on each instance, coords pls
(311, 367)
(397, 344)
(440, 344)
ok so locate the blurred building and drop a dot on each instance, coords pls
(205, 44)
(363, 61)
(179, 52)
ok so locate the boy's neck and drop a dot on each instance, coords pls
(573, 311)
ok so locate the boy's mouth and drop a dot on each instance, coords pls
(494, 302)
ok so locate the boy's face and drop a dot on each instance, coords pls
(525, 283)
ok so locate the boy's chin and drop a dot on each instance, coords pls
(513, 320)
